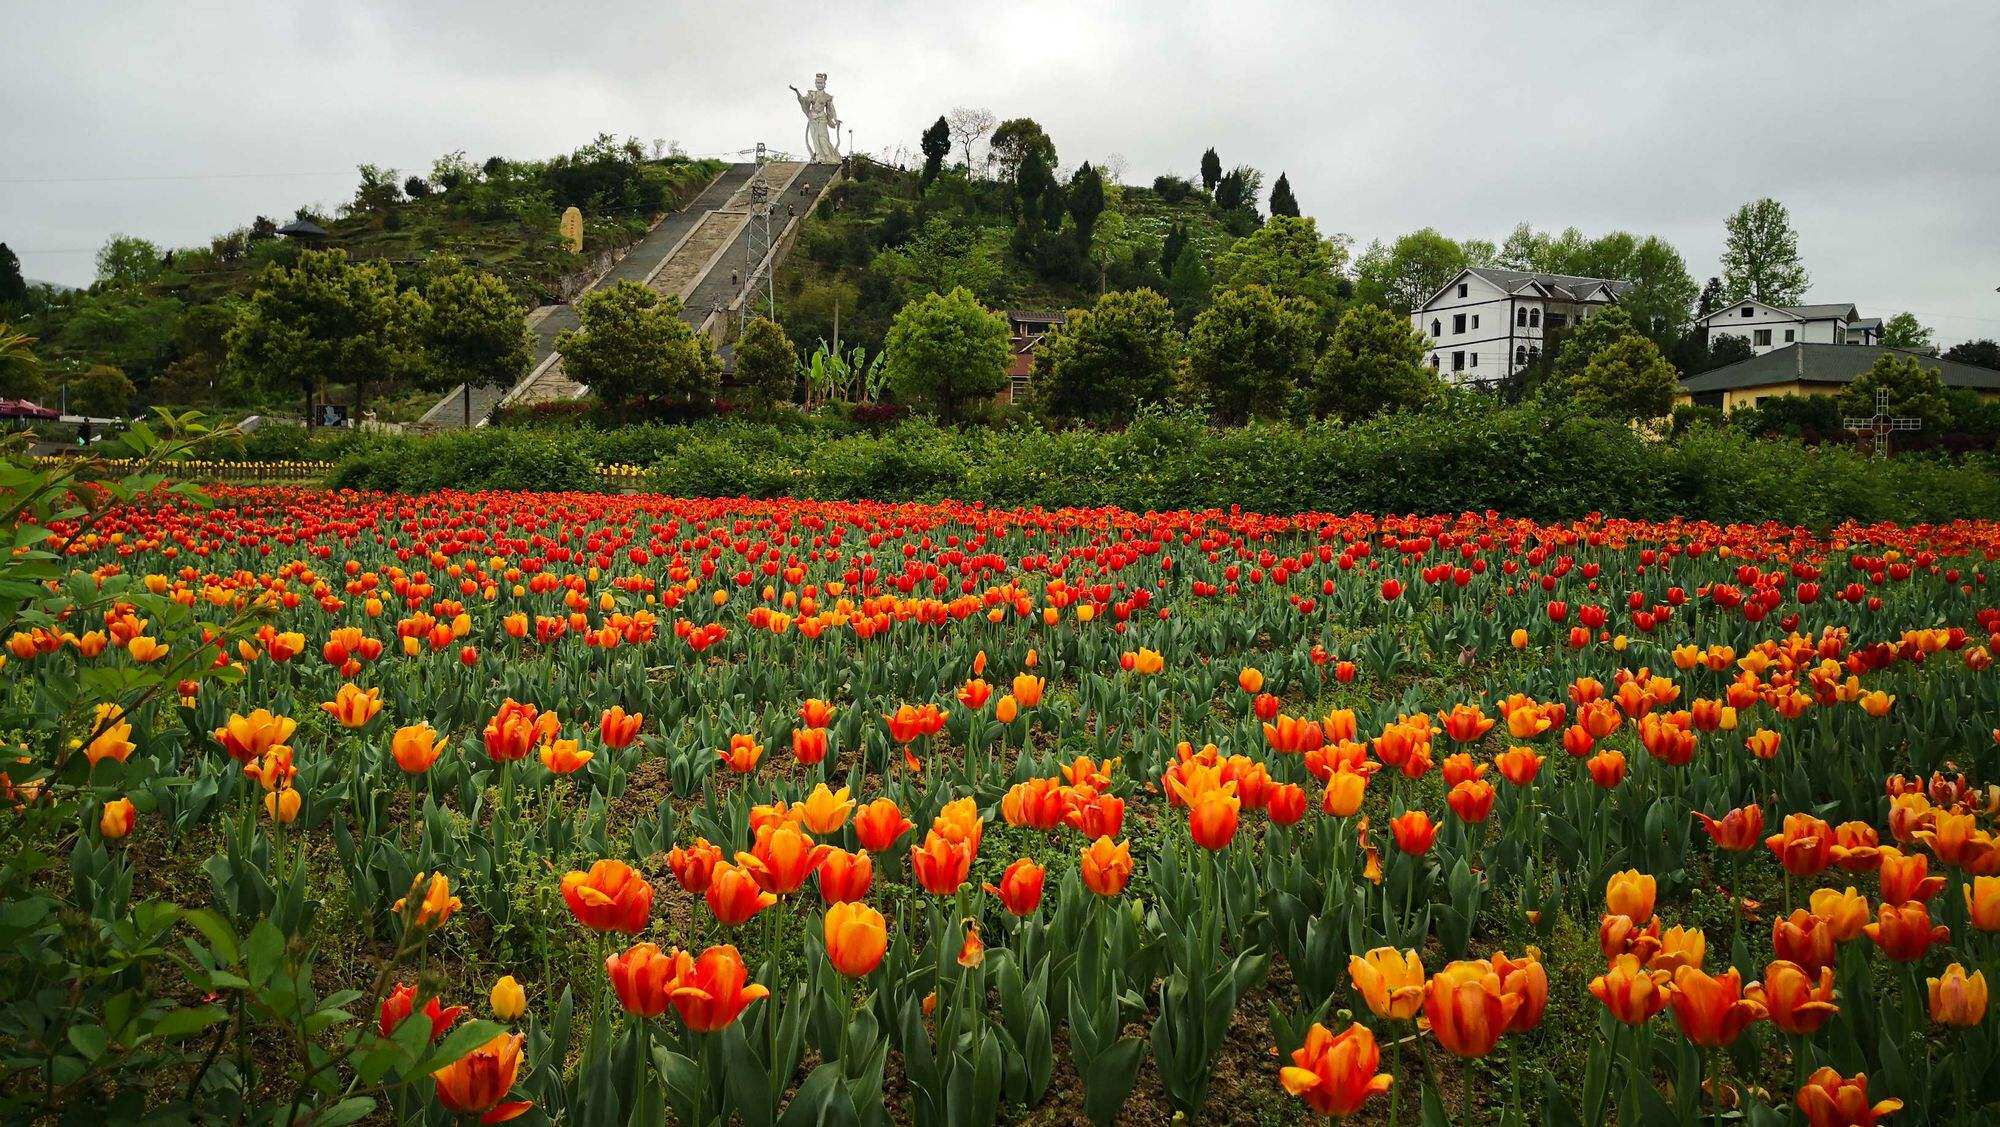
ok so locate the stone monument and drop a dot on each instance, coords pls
(572, 230)
(822, 122)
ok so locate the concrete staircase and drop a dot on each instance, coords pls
(701, 254)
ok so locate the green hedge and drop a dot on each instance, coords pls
(1524, 460)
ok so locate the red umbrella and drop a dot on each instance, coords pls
(22, 409)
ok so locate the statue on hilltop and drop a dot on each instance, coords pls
(822, 122)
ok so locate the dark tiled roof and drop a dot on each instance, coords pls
(1829, 364)
(1563, 285)
(1820, 312)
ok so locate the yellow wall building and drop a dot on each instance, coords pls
(1815, 369)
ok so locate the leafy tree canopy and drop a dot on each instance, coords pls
(1014, 139)
(946, 350)
(1760, 256)
(1984, 353)
(1373, 363)
(1107, 360)
(1405, 274)
(633, 348)
(1249, 349)
(1915, 391)
(1905, 331)
(766, 364)
(1289, 255)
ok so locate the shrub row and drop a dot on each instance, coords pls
(1526, 461)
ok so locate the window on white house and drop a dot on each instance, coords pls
(1534, 318)
(1473, 360)
(1762, 338)
(1747, 311)
(1434, 361)
(1520, 354)
(1458, 322)
(1437, 330)
(1521, 317)
(1461, 289)
(1558, 320)
(1534, 350)
(1790, 336)
(1475, 320)
(1458, 361)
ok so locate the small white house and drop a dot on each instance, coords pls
(1766, 326)
(1488, 322)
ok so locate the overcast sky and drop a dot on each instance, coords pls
(1876, 124)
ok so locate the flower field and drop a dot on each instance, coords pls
(599, 809)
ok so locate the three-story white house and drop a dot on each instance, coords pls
(1488, 322)
(1766, 326)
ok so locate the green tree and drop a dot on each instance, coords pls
(1107, 360)
(1626, 379)
(1374, 362)
(13, 287)
(942, 257)
(102, 391)
(20, 369)
(1033, 181)
(327, 320)
(1760, 256)
(936, 144)
(1239, 188)
(1288, 255)
(476, 333)
(1282, 200)
(633, 349)
(1085, 201)
(1592, 335)
(1983, 353)
(1188, 284)
(1014, 139)
(1248, 351)
(1660, 294)
(766, 364)
(947, 350)
(1405, 274)
(126, 260)
(127, 326)
(1711, 298)
(1905, 331)
(1211, 170)
(1914, 387)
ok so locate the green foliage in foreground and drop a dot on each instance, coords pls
(1528, 461)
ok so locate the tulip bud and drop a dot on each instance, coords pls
(508, 1000)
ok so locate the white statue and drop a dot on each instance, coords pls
(822, 122)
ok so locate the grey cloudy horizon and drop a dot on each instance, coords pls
(1874, 124)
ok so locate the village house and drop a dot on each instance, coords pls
(1489, 322)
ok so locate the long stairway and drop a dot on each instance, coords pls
(701, 254)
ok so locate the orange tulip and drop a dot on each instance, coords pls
(618, 728)
(1712, 1010)
(1414, 831)
(1904, 932)
(1806, 939)
(1631, 893)
(247, 737)
(1335, 1075)
(1038, 804)
(1344, 792)
(1737, 831)
(694, 866)
(612, 896)
(110, 736)
(1467, 1009)
(1471, 800)
(713, 994)
(1679, 947)
(974, 694)
(960, 821)
(1845, 912)
(1007, 710)
(742, 754)
(1020, 887)
(940, 863)
(1107, 866)
(352, 707)
(1958, 1000)
(1212, 817)
(856, 938)
(845, 876)
(1906, 876)
(415, 747)
(1797, 1003)
(644, 977)
(1857, 847)
(879, 824)
(1466, 723)
(816, 713)
(117, 818)
(909, 723)
(516, 729)
(972, 951)
(824, 811)
(565, 757)
(734, 895)
(1250, 680)
(1982, 902)
(1391, 982)
(1527, 979)
(402, 1002)
(1518, 765)
(1831, 1100)
(1632, 993)
(437, 903)
(478, 1083)
(1805, 845)
(809, 745)
(1607, 768)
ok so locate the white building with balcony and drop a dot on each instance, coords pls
(1488, 322)
(1766, 326)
